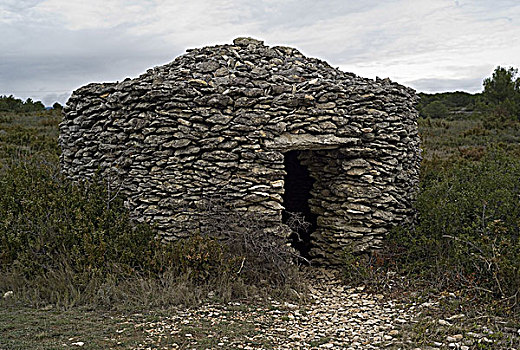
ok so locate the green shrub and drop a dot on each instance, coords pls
(467, 234)
(74, 243)
(44, 216)
(435, 109)
(468, 229)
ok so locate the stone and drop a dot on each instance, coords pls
(289, 141)
(220, 121)
(333, 317)
(247, 41)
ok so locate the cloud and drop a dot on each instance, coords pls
(471, 85)
(93, 14)
(61, 44)
(50, 98)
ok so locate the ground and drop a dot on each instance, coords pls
(332, 316)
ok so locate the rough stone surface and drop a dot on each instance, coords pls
(217, 121)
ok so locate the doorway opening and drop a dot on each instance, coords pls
(298, 184)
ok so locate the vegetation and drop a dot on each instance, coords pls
(29, 134)
(498, 103)
(451, 105)
(467, 234)
(12, 104)
(502, 93)
(73, 245)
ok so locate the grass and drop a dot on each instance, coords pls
(451, 315)
(28, 134)
(29, 328)
(217, 326)
(467, 138)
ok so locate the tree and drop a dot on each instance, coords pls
(12, 104)
(56, 105)
(502, 93)
(435, 109)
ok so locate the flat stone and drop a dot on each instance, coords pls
(245, 41)
(220, 121)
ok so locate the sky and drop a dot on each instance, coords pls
(48, 48)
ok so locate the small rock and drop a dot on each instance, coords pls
(444, 323)
(290, 306)
(8, 294)
(485, 340)
(198, 82)
(474, 335)
(454, 317)
(244, 41)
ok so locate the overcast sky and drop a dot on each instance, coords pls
(50, 47)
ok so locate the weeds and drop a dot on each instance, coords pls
(467, 237)
(62, 243)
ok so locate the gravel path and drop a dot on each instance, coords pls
(336, 317)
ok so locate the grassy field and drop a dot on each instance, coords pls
(467, 138)
(29, 133)
(27, 328)
(24, 328)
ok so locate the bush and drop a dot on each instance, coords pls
(52, 228)
(44, 215)
(467, 235)
(435, 109)
(468, 231)
(74, 243)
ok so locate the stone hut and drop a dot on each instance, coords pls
(266, 130)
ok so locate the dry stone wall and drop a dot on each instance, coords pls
(217, 121)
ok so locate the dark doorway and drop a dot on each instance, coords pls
(298, 185)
